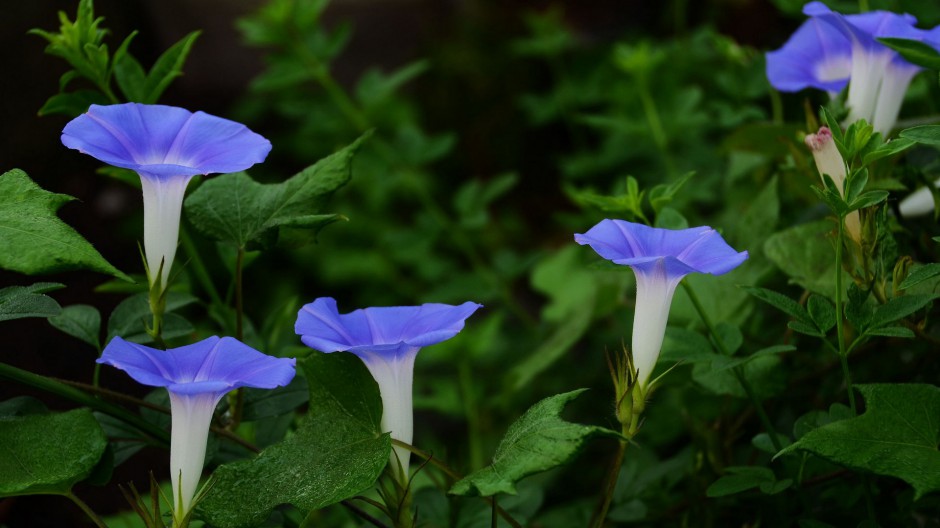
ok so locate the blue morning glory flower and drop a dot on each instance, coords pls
(387, 339)
(831, 49)
(196, 376)
(660, 258)
(166, 146)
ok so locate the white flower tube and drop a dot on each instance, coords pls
(163, 203)
(192, 415)
(395, 377)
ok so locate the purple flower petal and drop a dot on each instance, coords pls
(212, 365)
(163, 141)
(816, 56)
(683, 251)
(387, 330)
(863, 29)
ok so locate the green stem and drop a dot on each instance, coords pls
(239, 295)
(494, 518)
(655, 123)
(439, 464)
(863, 5)
(758, 406)
(321, 73)
(199, 267)
(465, 379)
(11, 373)
(844, 360)
(236, 398)
(613, 474)
(88, 511)
(776, 107)
(840, 337)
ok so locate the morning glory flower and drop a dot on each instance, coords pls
(196, 376)
(829, 161)
(166, 146)
(387, 340)
(660, 258)
(832, 49)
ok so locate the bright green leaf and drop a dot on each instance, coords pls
(33, 239)
(336, 453)
(48, 453)
(896, 436)
(888, 149)
(237, 210)
(538, 441)
(915, 52)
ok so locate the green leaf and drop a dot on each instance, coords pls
(891, 148)
(128, 73)
(896, 436)
(17, 302)
(721, 363)
(663, 194)
(731, 337)
(868, 199)
(72, 104)
(822, 312)
(33, 239)
(900, 307)
(855, 184)
(235, 209)
(336, 453)
(267, 403)
(891, 331)
(538, 441)
(740, 478)
(762, 371)
(166, 68)
(915, 52)
(80, 321)
(806, 255)
(132, 317)
(920, 274)
(781, 302)
(48, 453)
(834, 126)
(572, 292)
(923, 134)
(669, 218)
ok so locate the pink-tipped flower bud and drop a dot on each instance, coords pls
(829, 161)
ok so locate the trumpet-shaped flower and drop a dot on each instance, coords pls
(196, 377)
(660, 258)
(387, 340)
(831, 49)
(166, 146)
